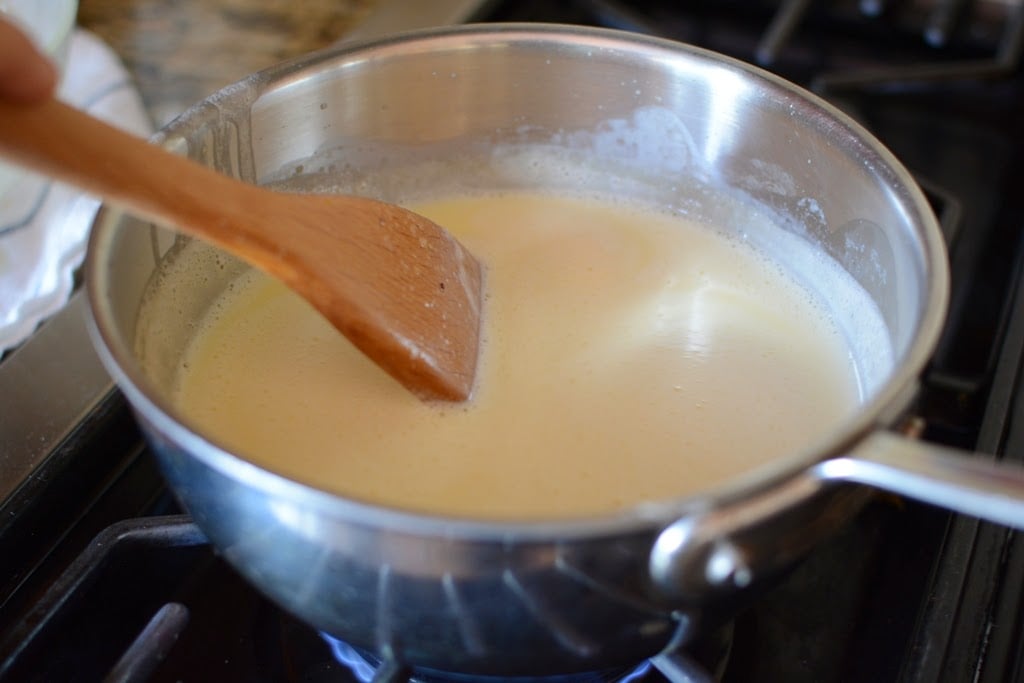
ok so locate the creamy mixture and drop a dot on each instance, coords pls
(629, 356)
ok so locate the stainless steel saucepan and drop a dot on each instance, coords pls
(650, 116)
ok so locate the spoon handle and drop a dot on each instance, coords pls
(63, 143)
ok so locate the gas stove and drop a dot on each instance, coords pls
(103, 577)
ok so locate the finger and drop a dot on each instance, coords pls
(26, 75)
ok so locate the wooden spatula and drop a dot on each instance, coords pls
(398, 286)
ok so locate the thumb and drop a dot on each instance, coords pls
(26, 75)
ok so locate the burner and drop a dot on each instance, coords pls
(369, 669)
(673, 668)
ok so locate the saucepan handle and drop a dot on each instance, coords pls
(730, 547)
(971, 484)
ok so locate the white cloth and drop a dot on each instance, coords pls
(44, 225)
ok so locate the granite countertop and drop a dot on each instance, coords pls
(181, 52)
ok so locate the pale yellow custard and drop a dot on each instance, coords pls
(628, 356)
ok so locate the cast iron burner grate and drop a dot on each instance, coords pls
(148, 600)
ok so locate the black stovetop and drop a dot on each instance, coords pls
(93, 549)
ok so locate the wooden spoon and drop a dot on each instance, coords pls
(398, 286)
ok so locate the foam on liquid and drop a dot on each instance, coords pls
(629, 356)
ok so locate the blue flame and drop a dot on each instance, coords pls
(637, 673)
(347, 655)
(364, 670)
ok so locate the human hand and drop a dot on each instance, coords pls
(26, 75)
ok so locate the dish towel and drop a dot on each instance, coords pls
(44, 225)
